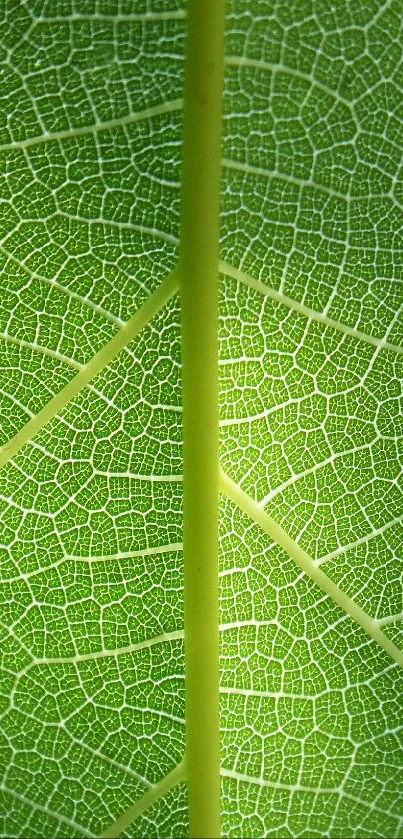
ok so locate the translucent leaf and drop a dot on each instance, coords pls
(311, 371)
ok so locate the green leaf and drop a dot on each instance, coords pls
(311, 370)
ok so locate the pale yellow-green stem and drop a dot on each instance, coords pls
(198, 273)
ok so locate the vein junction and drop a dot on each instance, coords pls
(84, 376)
(101, 359)
(306, 563)
(122, 338)
(129, 330)
(150, 797)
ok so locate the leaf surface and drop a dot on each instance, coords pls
(311, 371)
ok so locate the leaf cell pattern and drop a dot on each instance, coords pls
(311, 338)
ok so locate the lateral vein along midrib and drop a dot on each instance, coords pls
(306, 563)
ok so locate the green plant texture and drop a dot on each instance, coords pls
(92, 683)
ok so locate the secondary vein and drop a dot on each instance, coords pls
(242, 277)
(150, 797)
(128, 119)
(306, 563)
(101, 359)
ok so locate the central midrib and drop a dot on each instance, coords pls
(199, 272)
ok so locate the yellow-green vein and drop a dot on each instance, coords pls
(150, 797)
(306, 563)
(100, 360)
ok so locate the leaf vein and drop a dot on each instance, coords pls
(147, 113)
(97, 363)
(304, 561)
(306, 311)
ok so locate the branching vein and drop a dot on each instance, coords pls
(139, 116)
(150, 797)
(311, 314)
(306, 563)
(97, 363)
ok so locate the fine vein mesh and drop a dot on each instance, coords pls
(312, 198)
(91, 696)
(91, 689)
(91, 615)
(310, 417)
(90, 149)
(311, 708)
